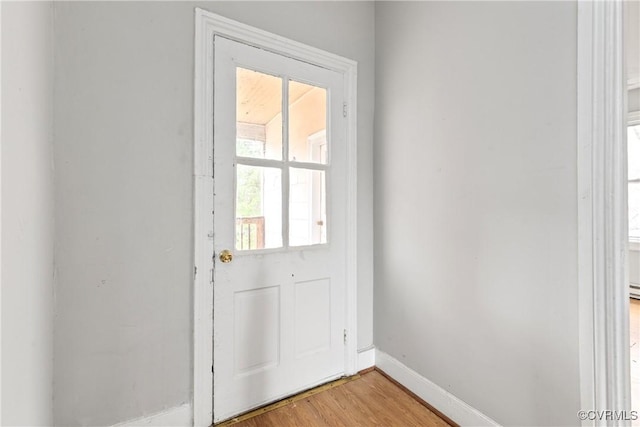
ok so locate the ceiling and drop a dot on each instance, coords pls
(259, 96)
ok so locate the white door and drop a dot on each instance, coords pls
(280, 213)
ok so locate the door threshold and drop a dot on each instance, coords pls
(284, 402)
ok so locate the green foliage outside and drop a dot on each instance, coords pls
(249, 191)
(249, 197)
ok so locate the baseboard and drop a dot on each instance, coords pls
(452, 407)
(366, 358)
(180, 416)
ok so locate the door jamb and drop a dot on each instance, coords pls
(602, 213)
(207, 25)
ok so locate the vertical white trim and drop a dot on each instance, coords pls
(602, 213)
(0, 216)
(285, 178)
(350, 70)
(207, 24)
(203, 227)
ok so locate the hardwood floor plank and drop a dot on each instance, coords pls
(287, 401)
(417, 398)
(370, 400)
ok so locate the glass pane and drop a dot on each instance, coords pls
(258, 207)
(634, 210)
(633, 145)
(258, 115)
(307, 123)
(307, 207)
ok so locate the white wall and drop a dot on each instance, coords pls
(27, 213)
(124, 216)
(475, 202)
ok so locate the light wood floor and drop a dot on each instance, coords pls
(371, 400)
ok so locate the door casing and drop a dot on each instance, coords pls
(603, 299)
(207, 25)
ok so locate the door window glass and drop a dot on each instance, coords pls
(258, 115)
(307, 117)
(633, 146)
(258, 207)
(307, 207)
(263, 133)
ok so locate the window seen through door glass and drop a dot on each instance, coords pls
(633, 146)
(258, 207)
(258, 115)
(307, 207)
(307, 123)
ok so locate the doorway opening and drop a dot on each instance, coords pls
(252, 223)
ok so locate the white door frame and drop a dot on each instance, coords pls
(602, 210)
(0, 219)
(207, 25)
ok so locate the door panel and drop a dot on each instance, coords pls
(257, 329)
(313, 317)
(279, 206)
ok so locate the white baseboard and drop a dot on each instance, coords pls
(454, 408)
(180, 416)
(449, 405)
(366, 358)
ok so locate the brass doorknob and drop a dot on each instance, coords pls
(226, 256)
